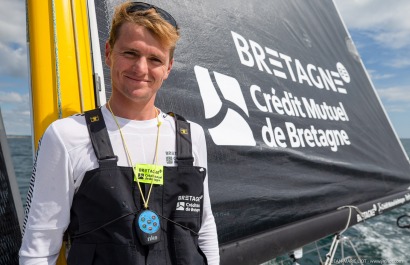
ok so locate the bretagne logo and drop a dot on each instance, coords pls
(229, 123)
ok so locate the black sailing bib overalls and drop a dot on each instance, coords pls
(104, 209)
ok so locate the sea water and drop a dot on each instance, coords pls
(377, 241)
(22, 157)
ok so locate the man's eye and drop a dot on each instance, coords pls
(156, 59)
(130, 54)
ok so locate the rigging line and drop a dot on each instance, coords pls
(59, 108)
(350, 207)
(77, 54)
(317, 248)
(346, 259)
(123, 216)
(178, 224)
(354, 249)
(318, 253)
(330, 255)
(102, 226)
(398, 221)
(338, 238)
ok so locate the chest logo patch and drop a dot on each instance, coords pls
(148, 173)
(189, 203)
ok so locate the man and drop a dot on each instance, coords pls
(105, 179)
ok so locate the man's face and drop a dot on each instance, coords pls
(139, 64)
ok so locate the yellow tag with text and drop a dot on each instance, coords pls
(148, 173)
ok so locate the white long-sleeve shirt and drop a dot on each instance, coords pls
(65, 154)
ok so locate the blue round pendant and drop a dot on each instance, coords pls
(148, 222)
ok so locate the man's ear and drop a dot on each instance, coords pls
(171, 62)
(107, 54)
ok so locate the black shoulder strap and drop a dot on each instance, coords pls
(183, 141)
(99, 137)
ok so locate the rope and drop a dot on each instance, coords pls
(318, 252)
(59, 108)
(398, 221)
(350, 207)
(77, 53)
(338, 238)
(123, 216)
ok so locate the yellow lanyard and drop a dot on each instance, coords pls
(129, 157)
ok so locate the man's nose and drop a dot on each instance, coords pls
(141, 65)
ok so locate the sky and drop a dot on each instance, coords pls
(380, 30)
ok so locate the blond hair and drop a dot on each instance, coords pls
(163, 31)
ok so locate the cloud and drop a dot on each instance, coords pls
(378, 14)
(393, 39)
(399, 62)
(13, 62)
(386, 21)
(16, 122)
(395, 94)
(13, 22)
(375, 76)
(395, 99)
(15, 110)
(396, 108)
(13, 97)
(13, 50)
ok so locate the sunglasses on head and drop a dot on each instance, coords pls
(141, 6)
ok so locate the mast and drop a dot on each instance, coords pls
(60, 61)
(63, 79)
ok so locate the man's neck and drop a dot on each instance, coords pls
(133, 111)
